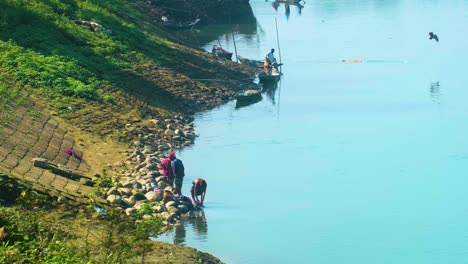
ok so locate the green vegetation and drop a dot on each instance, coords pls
(31, 231)
(27, 239)
(92, 83)
(43, 48)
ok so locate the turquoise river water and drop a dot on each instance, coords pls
(362, 161)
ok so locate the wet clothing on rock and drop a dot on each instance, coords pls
(73, 153)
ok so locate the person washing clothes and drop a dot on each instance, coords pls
(198, 189)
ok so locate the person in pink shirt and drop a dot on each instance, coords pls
(167, 170)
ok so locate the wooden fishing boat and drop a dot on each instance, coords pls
(271, 76)
(254, 63)
(248, 95)
(289, 1)
(221, 53)
(177, 25)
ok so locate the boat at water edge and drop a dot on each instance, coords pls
(289, 1)
(271, 76)
(248, 96)
(254, 63)
(221, 53)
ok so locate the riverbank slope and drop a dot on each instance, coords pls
(97, 78)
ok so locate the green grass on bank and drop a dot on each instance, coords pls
(36, 229)
(42, 48)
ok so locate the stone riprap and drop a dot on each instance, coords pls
(143, 184)
(25, 134)
(32, 150)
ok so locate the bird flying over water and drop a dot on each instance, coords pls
(433, 36)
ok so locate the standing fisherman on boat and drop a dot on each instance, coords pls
(270, 61)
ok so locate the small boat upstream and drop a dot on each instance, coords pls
(221, 53)
(289, 1)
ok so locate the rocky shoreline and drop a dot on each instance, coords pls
(142, 183)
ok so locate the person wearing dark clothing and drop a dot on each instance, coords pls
(198, 188)
(178, 171)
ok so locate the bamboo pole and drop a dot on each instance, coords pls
(235, 48)
(220, 44)
(277, 39)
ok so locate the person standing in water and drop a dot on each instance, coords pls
(198, 189)
(178, 171)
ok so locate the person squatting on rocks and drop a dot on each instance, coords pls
(178, 172)
(167, 170)
(198, 189)
(187, 201)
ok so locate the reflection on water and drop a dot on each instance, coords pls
(370, 165)
(199, 228)
(270, 88)
(435, 92)
(287, 8)
(326, 7)
(208, 33)
(179, 233)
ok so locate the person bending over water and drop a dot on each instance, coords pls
(198, 189)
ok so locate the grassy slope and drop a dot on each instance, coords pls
(103, 76)
(97, 82)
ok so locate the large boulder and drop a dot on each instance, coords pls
(171, 203)
(152, 196)
(139, 196)
(129, 202)
(130, 211)
(182, 208)
(114, 199)
(172, 210)
(127, 184)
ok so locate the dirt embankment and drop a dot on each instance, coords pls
(152, 104)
